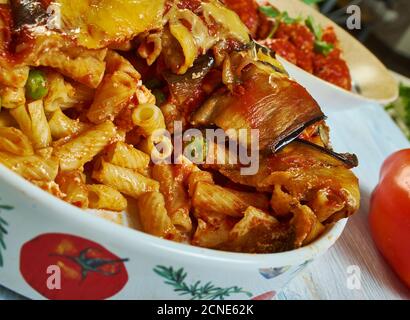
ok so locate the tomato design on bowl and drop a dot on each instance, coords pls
(86, 270)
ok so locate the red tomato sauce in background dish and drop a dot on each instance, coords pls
(296, 43)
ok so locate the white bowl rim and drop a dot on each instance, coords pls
(150, 244)
(350, 94)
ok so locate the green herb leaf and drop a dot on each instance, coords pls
(312, 2)
(287, 19)
(196, 291)
(314, 27)
(323, 47)
(269, 11)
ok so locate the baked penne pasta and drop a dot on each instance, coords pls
(149, 117)
(12, 97)
(151, 47)
(154, 217)
(33, 122)
(62, 126)
(196, 177)
(72, 184)
(124, 180)
(31, 167)
(83, 148)
(55, 51)
(282, 202)
(45, 153)
(50, 187)
(14, 141)
(170, 178)
(213, 229)
(92, 108)
(210, 197)
(116, 89)
(104, 197)
(61, 94)
(15, 76)
(258, 232)
(158, 146)
(125, 155)
(306, 225)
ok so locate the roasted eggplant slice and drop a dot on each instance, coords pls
(306, 174)
(27, 13)
(350, 160)
(182, 86)
(275, 105)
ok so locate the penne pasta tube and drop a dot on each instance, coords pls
(31, 167)
(306, 225)
(258, 232)
(247, 223)
(61, 94)
(106, 198)
(49, 186)
(116, 89)
(159, 146)
(149, 117)
(72, 184)
(211, 236)
(82, 149)
(196, 177)
(45, 153)
(14, 141)
(176, 198)
(154, 217)
(213, 198)
(62, 126)
(125, 155)
(33, 122)
(124, 180)
(12, 97)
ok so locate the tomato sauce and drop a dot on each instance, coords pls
(295, 43)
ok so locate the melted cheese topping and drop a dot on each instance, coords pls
(97, 23)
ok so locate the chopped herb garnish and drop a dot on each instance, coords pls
(314, 27)
(323, 47)
(312, 2)
(400, 110)
(269, 11)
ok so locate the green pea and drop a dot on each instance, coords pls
(36, 85)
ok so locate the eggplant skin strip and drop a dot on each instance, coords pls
(350, 160)
(27, 13)
(275, 105)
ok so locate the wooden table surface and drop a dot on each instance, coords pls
(371, 134)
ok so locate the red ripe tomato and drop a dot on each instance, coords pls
(87, 270)
(390, 213)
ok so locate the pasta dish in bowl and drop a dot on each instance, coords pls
(169, 113)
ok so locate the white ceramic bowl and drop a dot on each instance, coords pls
(369, 75)
(35, 213)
